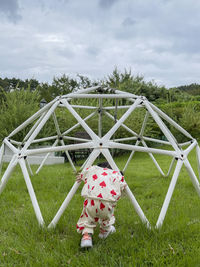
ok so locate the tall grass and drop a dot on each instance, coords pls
(24, 243)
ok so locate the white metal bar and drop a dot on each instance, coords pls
(39, 127)
(169, 194)
(59, 148)
(44, 139)
(86, 90)
(123, 125)
(192, 175)
(170, 167)
(56, 124)
(12, 148)
(156, 140)
(68, 156)
(95, 153)
(122, 92)
(162, 126)
(76, 139)
(80, 120)
(62, 142)
(84, 107)
(144, 144)
(30, 119)
(198, 158)
(29, 167)
(119, 107)
(2, 149)
(130, 157)
(46, 157)
(144, 124)
(91, 156)
(7, 173)
(84, 163)
(34, 126)
(121, 120)
(15, 142)
(100, 118)
(167, 118)
(186, 143)
(97, 96)
(142, 149)
(154, 160)
(187, 151)
(109, 158)
(137, 207)
(76, 125)
(126, 139)
(138, 141)
(31, 192)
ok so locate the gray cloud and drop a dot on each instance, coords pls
(157, 39)
(10, 8)
(107, 3)
(127, 22)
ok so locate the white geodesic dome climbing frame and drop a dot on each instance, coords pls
(100, 143)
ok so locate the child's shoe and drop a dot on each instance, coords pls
(86, 241)
(104, 234)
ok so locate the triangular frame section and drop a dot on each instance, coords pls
(99, 144)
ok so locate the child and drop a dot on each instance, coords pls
(102, 189)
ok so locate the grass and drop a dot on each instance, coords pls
(24, 243)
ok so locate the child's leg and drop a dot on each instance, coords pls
(106, 224)
(87, 221)
(107, 218)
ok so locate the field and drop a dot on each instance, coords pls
(177, 243)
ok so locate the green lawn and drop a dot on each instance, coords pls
(24, 243)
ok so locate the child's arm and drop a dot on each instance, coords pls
(123, 185)
(79, 177)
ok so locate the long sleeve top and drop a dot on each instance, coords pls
(102, 183)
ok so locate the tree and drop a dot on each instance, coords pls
(136, 85)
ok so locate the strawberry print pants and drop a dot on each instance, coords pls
(96, 211)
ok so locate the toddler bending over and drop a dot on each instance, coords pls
(102, 189)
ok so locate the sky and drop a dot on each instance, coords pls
(157, 39)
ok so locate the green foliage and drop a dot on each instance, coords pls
(192, 89)
(8, 84)
(63, 85)
(190, 119)
(136, 85)
(16, 107)
(186, 114)
(59, 86)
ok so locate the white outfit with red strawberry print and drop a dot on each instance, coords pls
(102, 189)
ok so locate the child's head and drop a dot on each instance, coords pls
(105, 164)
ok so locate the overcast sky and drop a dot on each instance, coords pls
(159, 39)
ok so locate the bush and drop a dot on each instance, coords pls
(16, 107)
(191, 120)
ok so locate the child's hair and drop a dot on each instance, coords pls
(105, 164)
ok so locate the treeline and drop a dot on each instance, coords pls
(124, 81)
(20, 99)
(192, 89)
